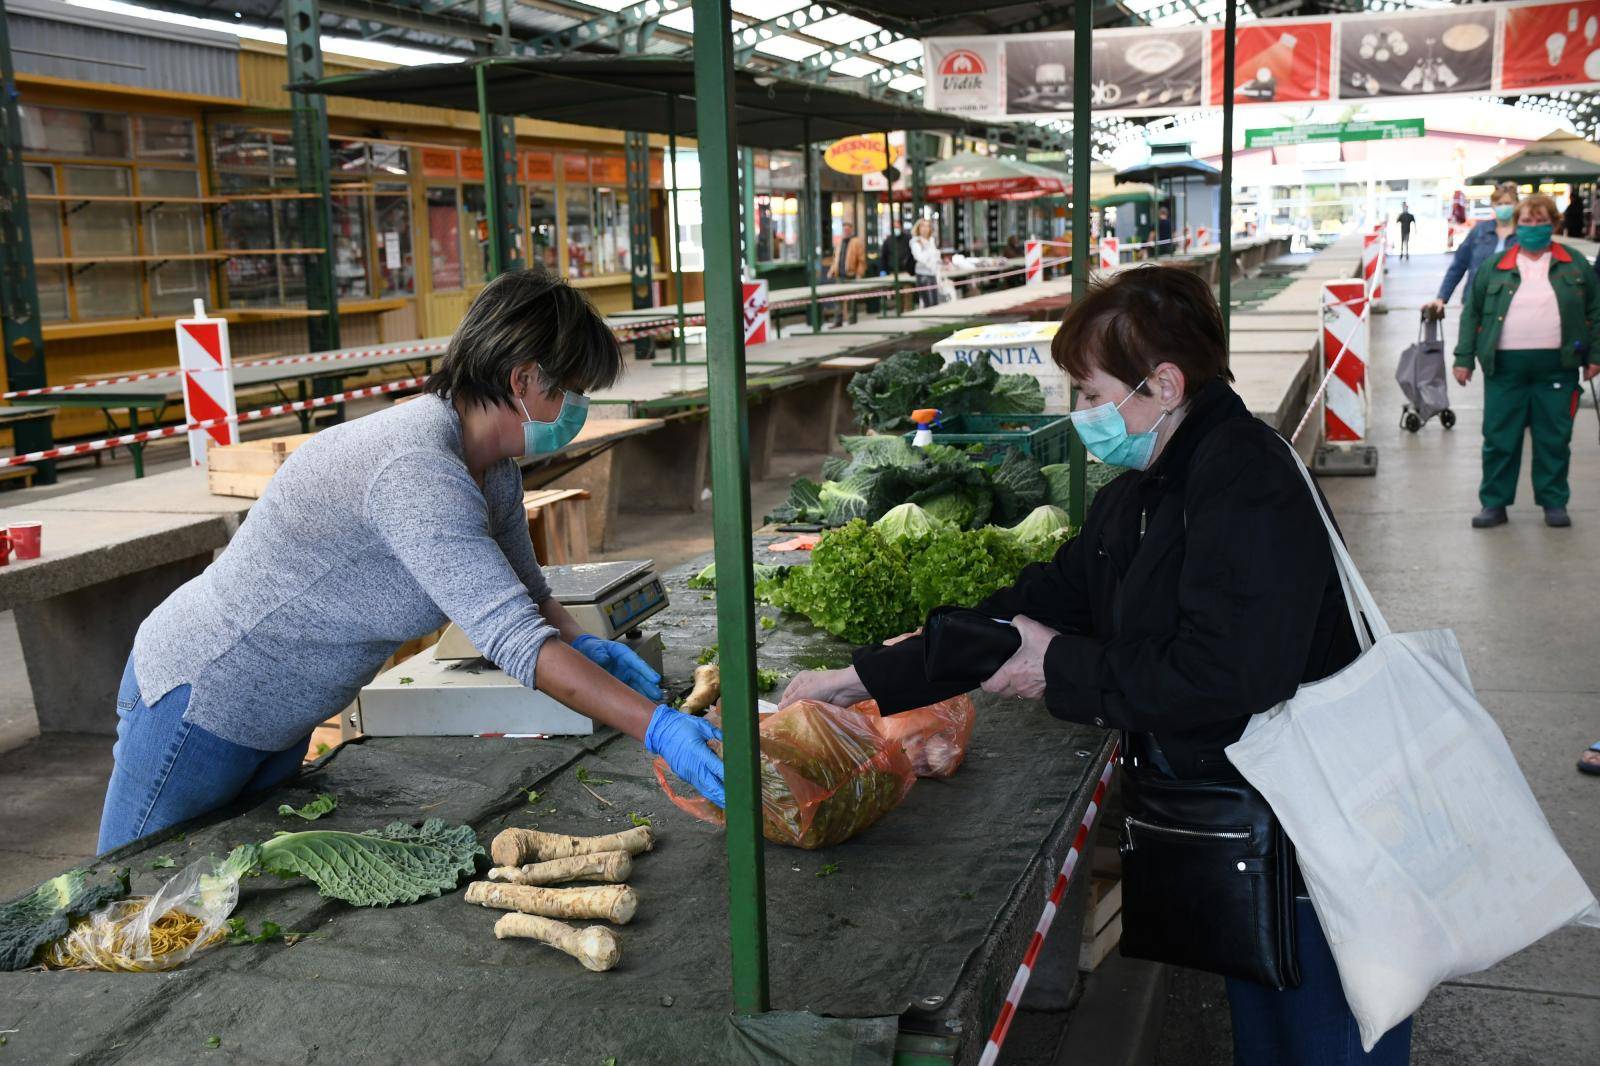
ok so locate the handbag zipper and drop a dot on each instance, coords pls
(1129, 822)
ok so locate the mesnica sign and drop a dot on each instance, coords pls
(1398, 129)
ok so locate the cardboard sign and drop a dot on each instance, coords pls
(757, 313)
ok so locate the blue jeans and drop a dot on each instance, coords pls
(167, 771)
(1310, 1025)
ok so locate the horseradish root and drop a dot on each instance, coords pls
(610, 903)
(611, 866)
(516, 847)
(596, 947)
(707, 688)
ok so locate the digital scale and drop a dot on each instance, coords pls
(452, 690)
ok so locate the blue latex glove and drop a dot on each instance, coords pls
(681, 740)
(620, 662)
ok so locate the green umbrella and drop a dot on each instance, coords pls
(1536, 164)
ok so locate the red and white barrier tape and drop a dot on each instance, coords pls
(288, 360)
(190, 427)
(1080, 843)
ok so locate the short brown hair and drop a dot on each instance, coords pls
(1139, 318)
(1506, 188)
(1540, 202)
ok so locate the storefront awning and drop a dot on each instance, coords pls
(646, 94)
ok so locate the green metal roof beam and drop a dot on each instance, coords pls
(615, 24)
(406, 18)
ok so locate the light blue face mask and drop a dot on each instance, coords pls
(542, 438)
(1106, 436)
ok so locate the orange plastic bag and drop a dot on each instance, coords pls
(935, 737)
(827, 773)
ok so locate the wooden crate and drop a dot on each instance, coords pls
(244, 469)
(558, 522)
(1102, 922)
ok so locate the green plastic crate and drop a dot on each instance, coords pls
(1044, 437)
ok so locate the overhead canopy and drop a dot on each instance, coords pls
(968, 176)
(632, 92)
(1131, 193)
(1539, 162)
(1171, 169)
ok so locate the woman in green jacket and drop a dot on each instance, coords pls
(1532, 321)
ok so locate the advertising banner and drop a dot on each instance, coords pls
(967, 76)
(1141, 70)
(865, 153)
(1385, 129)
(1425, 53)
(1277, 61)
(1551, 46)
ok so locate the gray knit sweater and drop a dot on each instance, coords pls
(372, 534)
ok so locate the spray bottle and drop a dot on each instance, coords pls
(925, 418)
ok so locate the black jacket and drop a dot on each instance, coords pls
(1200, 592)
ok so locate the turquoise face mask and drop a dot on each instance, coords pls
(1503, 212)
(542, 438)
(1106, 436)
(1535, 239)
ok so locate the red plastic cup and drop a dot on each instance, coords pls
(25, 539)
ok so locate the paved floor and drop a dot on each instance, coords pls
(1523, 600)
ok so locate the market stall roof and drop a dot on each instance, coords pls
(631, 93)
(1539, 161)
(969, 176)
(1171, 169)
(1131, 193)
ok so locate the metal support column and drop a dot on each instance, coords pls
(19, 284)
(498, 136)
(636, 156)
(730, 503)
(680, 344)
(896, 223)
(1082, 60)
(302, 22)
(747, 188)
(1225, 222)
(917, 161)
(813, 219)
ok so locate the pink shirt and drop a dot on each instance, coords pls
(1532, 320)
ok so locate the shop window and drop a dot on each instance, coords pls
(44, 221)
(542, 220)
(475, 234)
(580, 232)
(104, 289)
(444, 238)
(60, 131)
(176, 229)
(349, 245)
(168, 139)
(396, 272)
(612, 248)
(390, 160)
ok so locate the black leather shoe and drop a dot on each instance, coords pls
(1557, 517)
(1490, 517)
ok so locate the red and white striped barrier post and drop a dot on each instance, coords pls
(206, 360)
(1344, 353)
(1188, 238)
(757, 313)
(1372, 267)
(1033, 262)
(1058, 892)
(1110, 255)
(1200, 236)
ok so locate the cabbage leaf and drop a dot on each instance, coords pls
(44, 915)
(399, 863)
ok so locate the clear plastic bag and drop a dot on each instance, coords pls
(188, 914)
(827, 773)
(935, 737)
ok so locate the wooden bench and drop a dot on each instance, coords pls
(24, 474)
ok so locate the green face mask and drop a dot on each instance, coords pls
(542, 438)
(1535, 239)
(1503, 212)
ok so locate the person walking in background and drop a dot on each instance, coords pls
(849, 261)
(1572, 218)
(1163, 231)
(1531, 320)
(925, 254)
(1406, 219)
(1489, 237)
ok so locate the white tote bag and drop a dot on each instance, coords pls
(1424, 851)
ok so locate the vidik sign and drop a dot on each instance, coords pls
(967, 74)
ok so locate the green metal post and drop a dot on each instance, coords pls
(302, 22)
(636, 155)
(730, 503)
(813, 218)
(498, 136)
(1225, 256)
(894, 225)
(919, 173)
(1082, 79)
(19, 284)
(747, 186)
(680, 346)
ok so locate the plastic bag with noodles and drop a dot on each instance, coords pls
(935, 737)
(826, 774)
(140, 934)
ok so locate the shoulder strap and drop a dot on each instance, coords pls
(1358, 598)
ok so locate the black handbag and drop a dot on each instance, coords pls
(1208, 874)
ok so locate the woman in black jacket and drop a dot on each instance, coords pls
(1201, 591)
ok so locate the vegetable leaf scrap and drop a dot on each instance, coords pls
(323, 804)
(397, 864)
(30, 922)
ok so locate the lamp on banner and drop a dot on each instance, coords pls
(1277, 61)
(1425, 53)
(206, 360)
(1551, 46)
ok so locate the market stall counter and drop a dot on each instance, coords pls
(897, 945)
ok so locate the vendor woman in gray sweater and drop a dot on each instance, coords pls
(372, 534)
